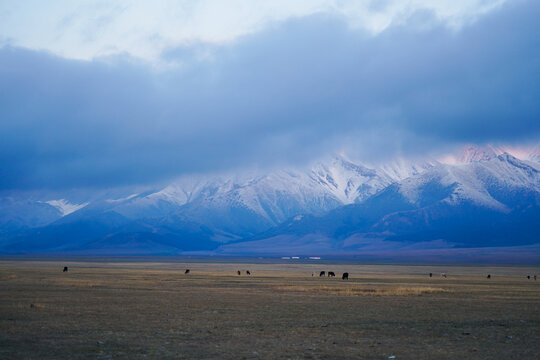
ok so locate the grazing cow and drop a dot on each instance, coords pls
(529, 277)
(331, 274)
(443, 275)
(489, 276)
(239, 273)
(65, 269)
(430, 274)
(322, 273)
(187, 271)
(248, 272)
(345, 276)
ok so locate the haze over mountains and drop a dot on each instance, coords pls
(481, 197)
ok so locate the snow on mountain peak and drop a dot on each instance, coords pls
(531, 153)
(65, 206)
(473, 153)
(122, 199)
(401, 168)
(224, 206)
(480, 182)
(347, 181)
(279, 194)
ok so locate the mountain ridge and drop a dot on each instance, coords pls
(372, 205)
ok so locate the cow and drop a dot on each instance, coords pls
(345, 276)
(534, 277)
(187, 271)
(65, 269)
(322, 274)
(239, 272)
(430, 274)
(489, 276)
(443, 275)
(331, 274)
(529, 277)
(248, 272)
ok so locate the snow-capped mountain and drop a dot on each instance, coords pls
(273, 196)
(276, 195)
(344, 197)
(346, 181)
(475, 153)
(484, 203)
(486, 183)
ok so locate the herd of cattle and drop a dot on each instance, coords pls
(345, 275)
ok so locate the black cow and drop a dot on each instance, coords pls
(489, 276)
(322, 273)
(331, 274)
(534, 277)
(248, 272)
(529, 277)
(345, 276)
(239, 272)
(187, 271)
(65, 269)
(430, 274)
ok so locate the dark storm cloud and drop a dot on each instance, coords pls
(294, 92)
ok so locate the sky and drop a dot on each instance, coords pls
(115, 93)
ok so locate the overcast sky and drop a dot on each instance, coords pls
(101, 93)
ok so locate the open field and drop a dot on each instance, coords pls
(153, 310)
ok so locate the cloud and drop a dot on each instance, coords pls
(87, 29)
(295, 91)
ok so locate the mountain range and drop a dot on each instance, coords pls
(483, 197)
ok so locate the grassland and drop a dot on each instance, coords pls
(104, 310)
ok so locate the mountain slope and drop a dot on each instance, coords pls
(200, 210)
(333, 206)
(19, 214)
(483, 203)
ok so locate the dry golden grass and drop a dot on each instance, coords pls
(152, 310)
(363, 291)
